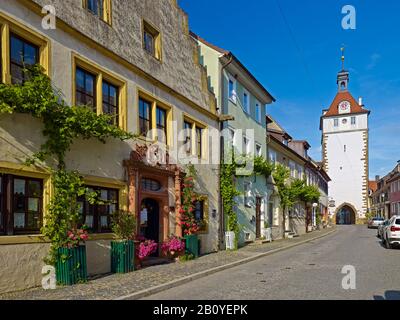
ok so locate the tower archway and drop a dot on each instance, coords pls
(346, 214)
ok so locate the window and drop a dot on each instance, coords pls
(272, 155)
(246, 102)
(232, 90)
(110, 102)
(97, 217)
(194, 138)
(100, 8)
(201, 213)
(292, 167)
(24, 198)
(161, 124)
(85, 89)
(22, 54)
(144, 117)
(353, 121)
(345, 148)
(151, 40)
(100, 90)
(336, 122)
(188, 127)
(270, 214)
(199, 141)
(247, 194)
(258, 113)
(246, 144)
(151, 185)
(258, 150)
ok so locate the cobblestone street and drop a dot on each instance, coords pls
(116, 286)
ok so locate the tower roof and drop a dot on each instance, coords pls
(355, 107)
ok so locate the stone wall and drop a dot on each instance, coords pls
(178, 68)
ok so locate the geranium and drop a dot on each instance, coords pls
(147, 248)
(75, 237)
(187, 220)
(173, 246)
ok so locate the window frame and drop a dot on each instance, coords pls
(8, 201)
(106, 14)
(258, 112)
(194, 146)
(353, 121)
(21, 65)
(10, 26)
(164, 127)
(232, 94)
(336, 123)
(86, 73)
(246, 195)
(115, 115)
(143, 101)
(100, 76)
(148, 28)
(154, 104)
(97, 228)
(247, 108)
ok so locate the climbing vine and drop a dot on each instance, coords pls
(62, 124)
(188, 221)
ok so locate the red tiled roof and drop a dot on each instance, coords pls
(344, 96)
(373, 185)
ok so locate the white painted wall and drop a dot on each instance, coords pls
(346, 161)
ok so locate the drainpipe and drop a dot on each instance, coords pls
(222, 153)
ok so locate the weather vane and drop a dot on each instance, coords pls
(342, 49)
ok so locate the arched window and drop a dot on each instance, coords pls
(151, 185)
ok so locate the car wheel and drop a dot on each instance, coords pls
(388, 245)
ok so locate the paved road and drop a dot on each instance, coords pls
(310, 271)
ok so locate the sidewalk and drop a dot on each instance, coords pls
(155, 279)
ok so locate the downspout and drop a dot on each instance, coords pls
(222, 154)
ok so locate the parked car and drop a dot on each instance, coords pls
(391, 233)
(375, 222)
(381, 229)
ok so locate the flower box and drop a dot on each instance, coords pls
(71, 265)
(192, 245)
(122, 256)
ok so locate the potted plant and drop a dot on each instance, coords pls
(173, 247)
(146, 249)
(123, 225)
(188, 222)
(71, 258)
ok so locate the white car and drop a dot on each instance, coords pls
(381, 229)
(391, 233)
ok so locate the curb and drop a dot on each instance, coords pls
(202, 274)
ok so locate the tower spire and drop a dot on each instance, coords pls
(342, 49)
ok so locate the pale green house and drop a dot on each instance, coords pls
(240, 95)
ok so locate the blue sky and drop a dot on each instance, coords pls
(293, 48)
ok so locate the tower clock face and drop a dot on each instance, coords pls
(344, 107)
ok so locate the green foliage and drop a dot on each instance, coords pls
(63, 211)
(263, 167)
(186, 257)
(123, 225)
(228, 194)
(62, 126)
(188, 222)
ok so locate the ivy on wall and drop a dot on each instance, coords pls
(63, 124)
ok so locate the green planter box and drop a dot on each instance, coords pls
(122, 256)
(192, 245)
(71, 266)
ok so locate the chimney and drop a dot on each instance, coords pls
(360, 101)
(377, 178)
